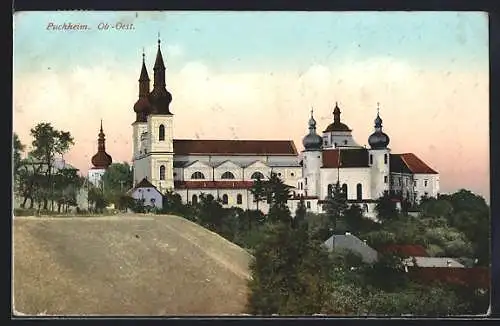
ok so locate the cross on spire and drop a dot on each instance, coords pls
(159, 41)
(312, 111)
(378, 107)
(143, 54)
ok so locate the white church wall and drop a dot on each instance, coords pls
(198, 166)
(349, 176)
(95, 176)
(380, 172)
(426, 183)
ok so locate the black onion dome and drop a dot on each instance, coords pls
(379, 139)
(312, 141)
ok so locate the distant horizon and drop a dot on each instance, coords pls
(252, 75)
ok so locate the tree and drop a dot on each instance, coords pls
(18, 148)
(289, 273)
(96, 199)
(277, 194)
(386, 208)
(258, 191)
(353, 217)
(117, 179)
(335, 207)
(300, 215)
(47, 143)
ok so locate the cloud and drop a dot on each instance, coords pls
(443, 118)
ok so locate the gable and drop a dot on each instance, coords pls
(257, 165)
(196, 165)
(227, 165)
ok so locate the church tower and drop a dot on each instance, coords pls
(379, 159)
(153, 129)
(312, 160)
(100, 161)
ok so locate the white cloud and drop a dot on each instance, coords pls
(419, 108)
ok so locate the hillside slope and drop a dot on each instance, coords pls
(138, 265)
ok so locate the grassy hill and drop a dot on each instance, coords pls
(136, 265)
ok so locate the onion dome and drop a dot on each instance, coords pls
(159, 97)
(379, 139)
(312, 141)
(101, 160)
(337, 125)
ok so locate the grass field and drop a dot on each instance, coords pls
(125, 265)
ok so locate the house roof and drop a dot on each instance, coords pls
(213, 184)
(234, 147)
(434, 262)
(416, 165)
(397, 165)
(477, 277)
(349, 158)
(405, 250)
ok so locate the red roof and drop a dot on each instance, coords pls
(415, 164)
(478, 277)
(405, 250)
(213, 184)
(349, 158)
(234, 147)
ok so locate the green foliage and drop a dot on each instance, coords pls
(335, 207)
(277, 194)
(97, 199)
(18, 148)
(289, 273)
(258, 191)
(386, 208)
(377, 239)
(354, 220)
(117, 179)
(300, 215)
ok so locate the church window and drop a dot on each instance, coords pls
(194, 199)
(330, 190)
(162, 172)
(292, 174)
(359, 191)
(371, 159)
(425, 183)
(305, 180)
(344, 190)
(385, 179)
(197, 175)
(225, 199)
(345, 142)
(175, 174)
(385, 158)
(239, 199)
(415, 183)
(227, 175)
(335, 144)
(257, 175)
(308, 204)
(326, 143)
(161, 132)
(279, 174)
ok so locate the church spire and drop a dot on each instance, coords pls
(101, 159)
(159, 68)
(143, 78)
(336, 113)
(160, 98)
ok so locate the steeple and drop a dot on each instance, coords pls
(159, 97)
(144, 78)
(159, 68)
(312, 141)
(379, 139)
(101, 159)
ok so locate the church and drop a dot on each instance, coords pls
(227, 169)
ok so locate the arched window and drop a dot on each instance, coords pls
(239, 199)
(227, 175)
(197, 175)
(330, 190)
(371, 159)
(257, 175)
(385, 158)
(194, 200)
(359, 191)
(162, 172)
(161, 132)
(224, 199)
(344, 190)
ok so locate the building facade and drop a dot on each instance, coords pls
(227, 168)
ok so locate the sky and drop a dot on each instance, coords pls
(256, 75)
